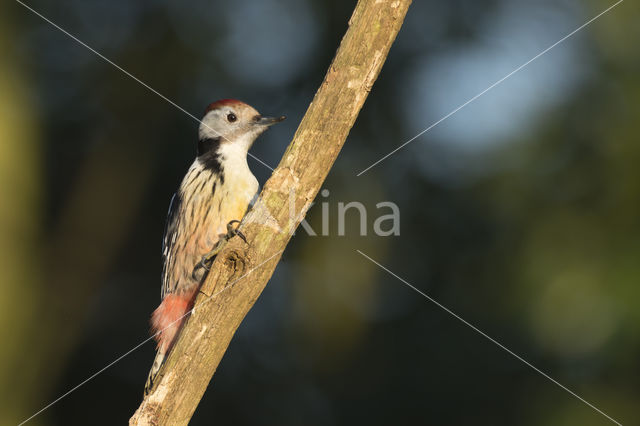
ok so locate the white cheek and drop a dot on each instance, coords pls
(213, 126)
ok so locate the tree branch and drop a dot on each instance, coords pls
(240, 272)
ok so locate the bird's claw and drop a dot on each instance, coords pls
(231, 231)
(205, 263)
(200, 265)
(207, 259)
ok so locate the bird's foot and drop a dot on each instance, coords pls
(207, 260)
(233, 231)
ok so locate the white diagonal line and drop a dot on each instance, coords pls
(490, 87)
(109, 61)
(500, 345)
(97, 373)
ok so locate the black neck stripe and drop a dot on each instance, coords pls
(209, 156)
(208, 145)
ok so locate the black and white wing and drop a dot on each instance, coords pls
(168, 242)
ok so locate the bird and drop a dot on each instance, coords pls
(204, 213)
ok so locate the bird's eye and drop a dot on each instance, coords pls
(231, 117)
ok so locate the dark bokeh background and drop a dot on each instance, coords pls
(521, 212)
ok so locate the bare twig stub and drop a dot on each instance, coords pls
(243, 270)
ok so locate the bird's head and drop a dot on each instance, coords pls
(229, 121)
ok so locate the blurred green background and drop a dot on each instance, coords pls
(521, 212)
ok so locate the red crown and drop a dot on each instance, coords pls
(221, 103)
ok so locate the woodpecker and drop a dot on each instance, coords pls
(213, 197)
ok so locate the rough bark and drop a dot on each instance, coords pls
(240, 272)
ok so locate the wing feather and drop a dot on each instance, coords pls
(168, 241)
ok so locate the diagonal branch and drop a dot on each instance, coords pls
(241, 271)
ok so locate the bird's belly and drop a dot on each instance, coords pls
(216, 226)
(229, 203)
(205, 217)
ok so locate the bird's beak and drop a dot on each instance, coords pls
(270, 121)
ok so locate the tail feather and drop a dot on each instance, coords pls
(166, 322)
(155, 369)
